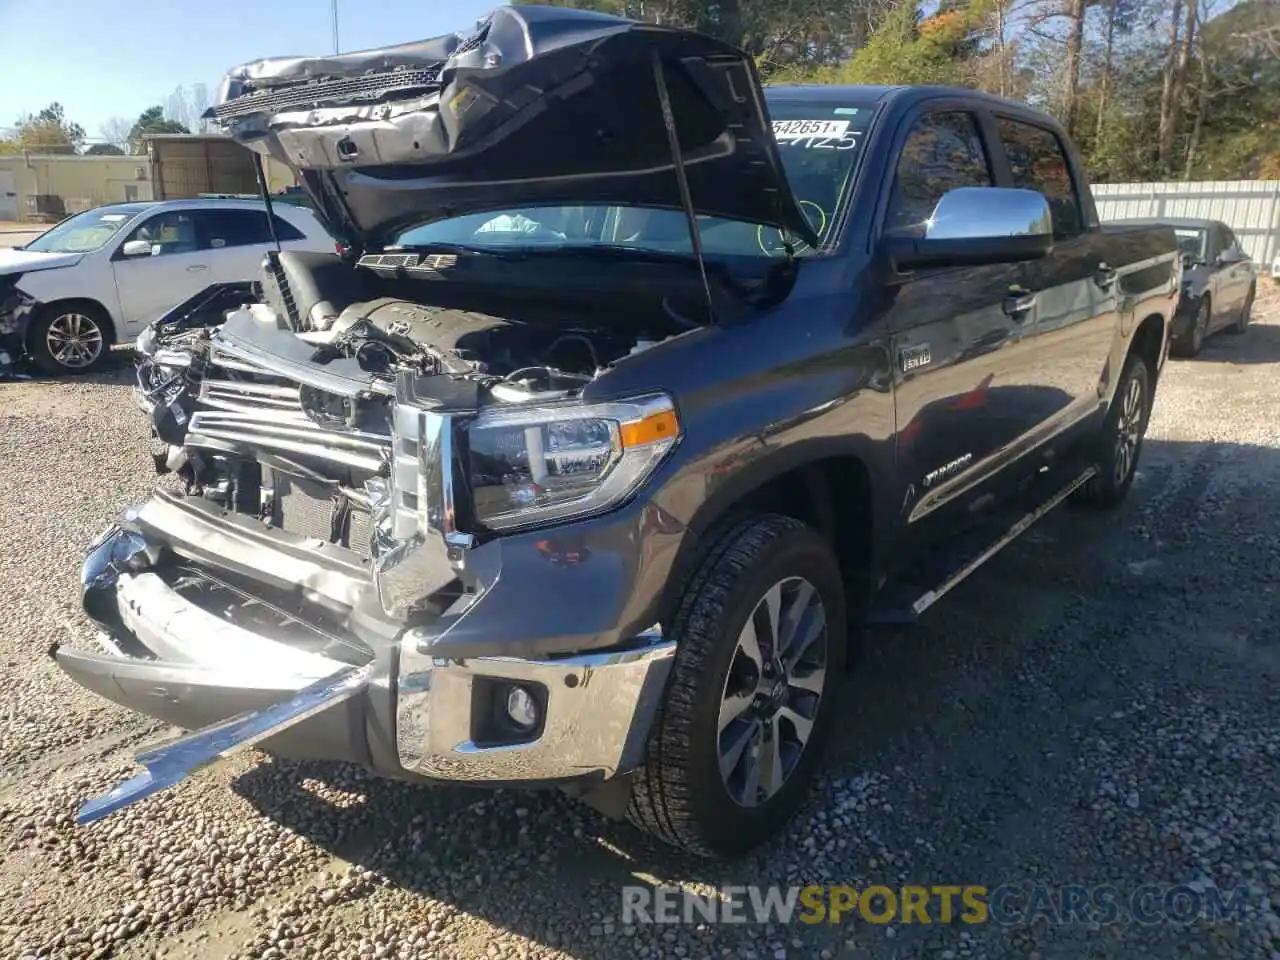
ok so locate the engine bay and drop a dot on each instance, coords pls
(278, 399)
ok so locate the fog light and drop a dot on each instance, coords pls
(522, 708)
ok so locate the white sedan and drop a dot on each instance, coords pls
(99, 277)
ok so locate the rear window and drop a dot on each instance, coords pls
(242, 228)
(1038, 162)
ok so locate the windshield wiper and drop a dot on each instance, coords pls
(611, 251)
(447, 247)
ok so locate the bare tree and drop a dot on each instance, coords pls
(187, 106)
(1169, 89)
(116, 132)
(1108, 66)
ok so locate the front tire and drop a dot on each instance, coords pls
(761, 635)
(1119, 442)
(71, 339)
(1194, 343)
(1246, 314)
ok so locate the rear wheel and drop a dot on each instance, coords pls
(71, 339)
(761, 646)
(1120, 441)
(1246, 314)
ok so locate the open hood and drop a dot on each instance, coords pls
(26, 261)
(540, 105)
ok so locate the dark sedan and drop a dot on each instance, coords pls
(1218, 282)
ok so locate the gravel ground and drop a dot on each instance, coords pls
(1096, 706)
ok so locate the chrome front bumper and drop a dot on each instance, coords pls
(402, 713)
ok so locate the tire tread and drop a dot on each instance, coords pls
(661, 798)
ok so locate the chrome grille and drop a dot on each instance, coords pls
(236, 395)
(289, 434)
(371, 86)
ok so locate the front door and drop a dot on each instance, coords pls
(956, 338)
(1233, 275)
(177, 268)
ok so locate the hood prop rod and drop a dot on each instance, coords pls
(273, 256)
(682, 179)
(266, 197)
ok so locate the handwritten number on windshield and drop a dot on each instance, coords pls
(848, 141)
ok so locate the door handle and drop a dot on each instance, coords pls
(1018, 304)
(197, 266)
(1105, 275)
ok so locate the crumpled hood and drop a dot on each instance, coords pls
(540, 105)
(27, 261)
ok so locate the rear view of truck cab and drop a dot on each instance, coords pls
(580, 467)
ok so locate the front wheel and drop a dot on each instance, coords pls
(1246, 314)
(1194, 342)
(761, 639)
(1120, 440)
(72, 339)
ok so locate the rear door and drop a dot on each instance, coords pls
(239, 238)
(1076, 305)
(179, 267)
(960, 379)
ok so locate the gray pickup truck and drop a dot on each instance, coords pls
(638, 390)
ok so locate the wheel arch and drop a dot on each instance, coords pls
(1148, 342)
(45, 307)
(827, 484)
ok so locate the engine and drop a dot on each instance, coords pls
(284, 409)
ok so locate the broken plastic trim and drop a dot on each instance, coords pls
(173, 762)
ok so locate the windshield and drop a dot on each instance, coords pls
(82, 233)
(1191, 243)
(820, 144)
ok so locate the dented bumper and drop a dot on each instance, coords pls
(256, 637)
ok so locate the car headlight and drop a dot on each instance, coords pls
(538, 463)
(147, 340)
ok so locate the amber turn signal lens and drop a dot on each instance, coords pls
(652, 429)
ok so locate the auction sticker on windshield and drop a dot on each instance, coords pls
(793, 129)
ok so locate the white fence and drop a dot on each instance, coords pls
(1251, 208)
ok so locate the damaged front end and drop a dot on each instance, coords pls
(380, 446)
(16, 310)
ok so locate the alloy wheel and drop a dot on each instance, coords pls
(74, 340)
(1129, 428)
(773, 691)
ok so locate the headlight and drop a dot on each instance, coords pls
(537, 463)
(147, 341)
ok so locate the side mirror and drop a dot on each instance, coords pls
(974, 226)
(136, 248)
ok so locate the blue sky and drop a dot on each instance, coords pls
(114, 58)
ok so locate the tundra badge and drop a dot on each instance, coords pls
(913, 358)
(947, 470)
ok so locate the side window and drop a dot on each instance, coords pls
(168, 233)
(1038, 162)
(242, 228)
(1230, 243)
(1214, 244)
(942, 151)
